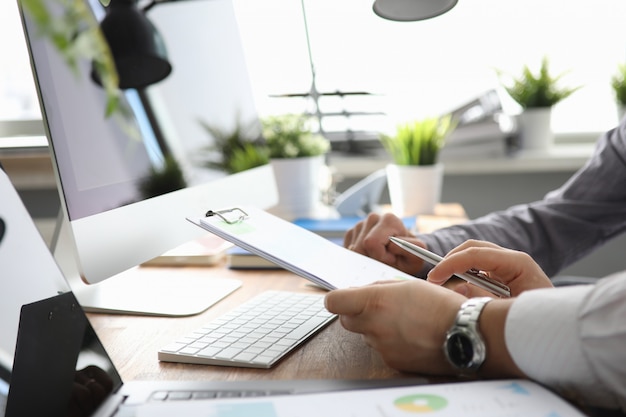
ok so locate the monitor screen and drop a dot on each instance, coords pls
(121, 212)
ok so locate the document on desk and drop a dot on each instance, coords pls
(510, 398)
(296, 249)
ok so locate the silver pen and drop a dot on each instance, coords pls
(472, 276)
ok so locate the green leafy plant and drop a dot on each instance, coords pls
(76, 35)
(540, 90)
(237, 149)
(290, 136)
(418, 142)
(618, 83)
(163, 180)
(249, 156)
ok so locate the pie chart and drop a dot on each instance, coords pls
(420, 403)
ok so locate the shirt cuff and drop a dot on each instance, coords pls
(543, 337)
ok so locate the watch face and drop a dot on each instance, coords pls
(460, 350)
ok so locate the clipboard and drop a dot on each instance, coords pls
(296, 249)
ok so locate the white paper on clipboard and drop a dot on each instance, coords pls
(296, 249)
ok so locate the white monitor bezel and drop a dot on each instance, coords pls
(99, 249)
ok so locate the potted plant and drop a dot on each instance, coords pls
(537, 94)
(415, 177)
(296, 155)
(167, 178)
(618, 83)
(236, 149)
(290, 136)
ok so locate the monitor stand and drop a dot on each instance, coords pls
(155, 291)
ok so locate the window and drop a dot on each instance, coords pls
(18, 98)
(430, 67)
(414, 69)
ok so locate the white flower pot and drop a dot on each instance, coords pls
(535, 129)
(298, 186)
(414, 190)
(621, 111)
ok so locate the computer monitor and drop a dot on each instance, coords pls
(103, 164)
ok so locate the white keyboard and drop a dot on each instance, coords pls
(257, 334)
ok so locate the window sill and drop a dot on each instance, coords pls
(570, 152)
(26, 159)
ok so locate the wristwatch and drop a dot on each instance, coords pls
(464, 346)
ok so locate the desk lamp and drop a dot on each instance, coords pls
(411, 10)
(138, 50)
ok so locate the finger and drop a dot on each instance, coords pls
(392, 225)
(452, 282)
(354, 324)
(469, 255)
(348, 301)
(351, 236)
(468, 290)
(358, 234)
(404, 260)
(348, 238)
(502, 264)
(389, 281)
(376, 248)
(354, 301)
(470, 243)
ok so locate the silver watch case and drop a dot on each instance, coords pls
(464, 347)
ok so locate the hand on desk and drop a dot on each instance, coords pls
(406, 321)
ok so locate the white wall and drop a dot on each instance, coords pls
(428, 67)
(209, 80)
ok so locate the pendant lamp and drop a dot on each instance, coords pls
(411, 10)
(138, 49)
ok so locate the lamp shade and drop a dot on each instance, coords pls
(138, 50)
(411, 10)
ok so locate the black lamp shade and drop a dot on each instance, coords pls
(411, 10)
(138, 50)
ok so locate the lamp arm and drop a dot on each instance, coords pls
(149, 6)
(153, 3)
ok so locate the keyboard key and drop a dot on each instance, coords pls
(204, 395)
(305, 328)
(179, 396)
(256, 334)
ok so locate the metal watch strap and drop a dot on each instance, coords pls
(470, 311)
(466, 324)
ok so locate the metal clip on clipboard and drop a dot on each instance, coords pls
(223, 214)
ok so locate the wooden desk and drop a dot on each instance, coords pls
(334, 353)
(133, 341)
